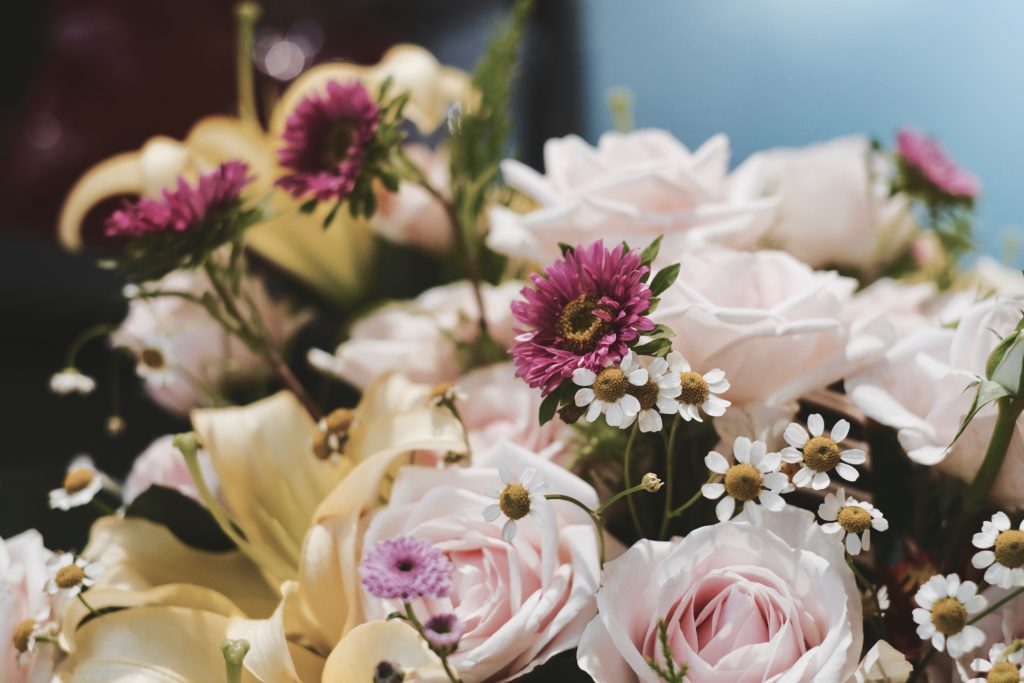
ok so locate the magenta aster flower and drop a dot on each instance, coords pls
(405, 568)
(326, 138)
(443, 632)
(582, 313)
(928, 157)
(183, 208)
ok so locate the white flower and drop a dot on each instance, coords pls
(819, 454)
(946, 605)
(657, 396)
(70, 381)
(753, 479)
(1004, 661)
(81, 484)
(70, 575)
(855, 519)
(882, 596)
(1005, 561)
(155, 362)
(698, 392)
(608, 392)
(27, 632)
(516, 500)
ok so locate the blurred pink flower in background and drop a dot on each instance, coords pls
(927, 156)
(23, 575)
(412, 215)
(162, 464)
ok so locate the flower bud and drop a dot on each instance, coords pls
(651, 483)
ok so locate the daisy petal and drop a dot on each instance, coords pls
(716, 462)
(712, 491)
(816, 424)
(840, 430)
(795, 435)
(725, 508)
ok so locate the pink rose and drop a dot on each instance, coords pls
(498, 405)
(23, 575)
(928, 157)
(919, 388)
(905, 307)
(633, 187)
(741, 604)
(182, 352)
(161, 464)
(412, 215)
(419, 338)
(521, 601)
(834, 205)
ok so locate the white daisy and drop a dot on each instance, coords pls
(607, 392)
(945, 606)
(854, 518)
(70, 575)
(1005, 560)
(516, 500)
(657, 396)
(28, 631)
(81, 484)
(819, 454)
(1004, 664)
(70, 381)
(882, 596)
(753, 479)
(154, 361)
(698, 392)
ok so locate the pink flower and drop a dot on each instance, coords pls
(161, 464)
(520, 601)
(23, 575)
(406, 568)
(741, 604)
(583, 312)
(184, 208)
(928, 157)
(326, 138)
(412, 215)
(631, 187)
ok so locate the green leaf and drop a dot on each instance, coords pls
(549, 406)
(566, 248)
(188, 520)
(330, 216)
(988, 392)
(651, 252)
(308, 206)
(653, 305)
(660, 331)
(664, 279)
(656, 347)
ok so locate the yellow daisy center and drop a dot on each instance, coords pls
(695, 388)
(854, 519)
(69, 576)
(23, 635)
(949, 616)
(647, 394)
(1010, 548)
(152, 358)
(514, 501)
(577, 327)
(743, 482)
(821, 454)
(78, 479)
(1003, 672)
(611, 385)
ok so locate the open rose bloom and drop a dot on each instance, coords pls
(642, 414)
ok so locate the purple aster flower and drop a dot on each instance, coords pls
(928, 157)
(582, 313)
(183, 208)
(443, 632)
(405, 568)
(326, 139)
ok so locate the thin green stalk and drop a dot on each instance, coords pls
(246, 16)
(670, 451)
(594, 515)
(94, 332)
(410, 616)
(996, 605)
(694, 498)
(92, 610)
(627, 476)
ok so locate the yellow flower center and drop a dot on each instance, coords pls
(1003, 672)
(1010, 548)
(339, 139)
(23, 635)
(611, 385)
(69, 576)
(78, 479)
(152, 358)
(743, 482)
(647, 394)
(790, 469)
(514, 501)
(949, 616)
(578, 329)
(821, 454)
(695, 388)
(854, 519)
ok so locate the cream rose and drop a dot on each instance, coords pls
(741, 604)
(632, 186)
(834, 205)
(521, 601)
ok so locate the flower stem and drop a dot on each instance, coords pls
(595, 515)
(670, 448)
(234, 652)
(627, 476)
(246, 16)
(410, 617)
(694, 498)
(92, 610)
(94, 332)
(996, 605)
(618, 496)
(103, 507)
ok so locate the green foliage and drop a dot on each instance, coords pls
(184, 517)
(669, 673)
(664, 279)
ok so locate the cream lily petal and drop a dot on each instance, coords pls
(272, 657)
(270, 479)
(359, 652)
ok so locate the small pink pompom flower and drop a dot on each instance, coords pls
(406, 568)
(928, 157)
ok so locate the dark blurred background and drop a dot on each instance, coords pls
(82, 80)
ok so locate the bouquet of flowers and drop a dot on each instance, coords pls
(634, 418)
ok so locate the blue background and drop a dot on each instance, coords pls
(791, 72)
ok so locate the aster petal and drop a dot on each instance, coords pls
(847, 472)
(693, 412)
(757, 452)
(983, 540)
(976, 604)
(771, 462)
(627, 421)
(840, 430)
(583, 377)
(921, 615)
(795, 435)
(677, 363)
(996, 575)
(584, 397)
(816, 424)
(939, 641)
(820, 480)
(880, 524)
(952, 585)
(865, 540)
(526, 478)
(716, 462)
(712, 491)
(725, 508)
(650, 421)
(492, 512)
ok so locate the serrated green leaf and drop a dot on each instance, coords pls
(664, 279)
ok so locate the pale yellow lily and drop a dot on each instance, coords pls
(359, 652)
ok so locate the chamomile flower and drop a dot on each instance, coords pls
(607, 391)
(753, 479)
(516, 500)
(882, 596)
(854, 519)
(81, 484)
(154, 362)
(698, 392)
(818, 454)
(1005, 560)
(28, 631)
(946, 605)
(71, 381)
(1005, 664)
(657, 396)
(70, 575)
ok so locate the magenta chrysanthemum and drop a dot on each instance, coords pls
(928, 157)
(326, 139)
(583, 312)
(443, 632)
(183, 208)
(406, 568)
